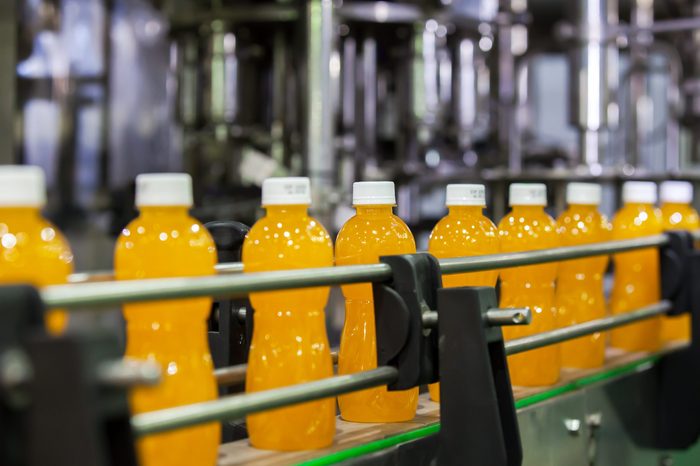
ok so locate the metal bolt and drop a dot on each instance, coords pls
(15, 369)
(594, 420)
(573, 426)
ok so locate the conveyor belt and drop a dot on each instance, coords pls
(356, 439)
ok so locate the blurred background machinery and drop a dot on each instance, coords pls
(420, 92)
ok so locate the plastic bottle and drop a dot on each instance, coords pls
(529, 227)
(373, 232)
(464, 231)
(32, 250)
(164, 241)
(289, 344)
(579, 294)
(637, 272)
(677, 214)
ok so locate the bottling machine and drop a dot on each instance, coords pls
(423, 92)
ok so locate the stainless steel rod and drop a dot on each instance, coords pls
(586, 328)
(236, 285)
(232, 285)
(232, 375)
(239, 406)
(108, 275)
(515, 259)
(514, 316)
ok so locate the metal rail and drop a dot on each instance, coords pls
(233, 375)
(238, 406)
(586, 328)
(108, 275)
(237, 285)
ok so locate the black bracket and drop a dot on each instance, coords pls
(59, 413)
(399, 304)
(478, 421)
(229, 331)
(678, 410)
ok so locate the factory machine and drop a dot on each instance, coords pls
(420, 92)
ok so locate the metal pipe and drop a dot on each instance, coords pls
(514, 259)
(667, 25)
(514, 316)
(111, 293)
(232, 375)
(239, 406)
(108, 275)
(586, 328)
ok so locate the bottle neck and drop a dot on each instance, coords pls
(374, 209)
(525, 209)
(465, 209)
(676, 205)
(23, 213)
(163, 211)
(639, 205)
(286, 210)
(583, 207)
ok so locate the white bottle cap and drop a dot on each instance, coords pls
(22, 186)
(286, 191)
(643, 192)
(373, 193)
(465, 194)
(680, 192)
(583, 193)
(163, 189)
(527, 194)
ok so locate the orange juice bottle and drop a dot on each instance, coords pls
(464, 231)
(579, 295)
(637, 272)
(677, 214)
(289, 344)
(374, 231)
(32, 250)
(164, 241)
(528, 227)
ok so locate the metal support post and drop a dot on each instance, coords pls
(478, 424)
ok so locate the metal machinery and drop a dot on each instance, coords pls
(421, 92)
(67, 392)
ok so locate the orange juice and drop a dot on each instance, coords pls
(32, 250)
(636, 272)
(289, 344)
(579, 294)
(373, 232)
(164, 241)
(464, 231)
(528, 227)
(677, 214)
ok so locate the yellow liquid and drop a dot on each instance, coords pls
(167, 242)
(372, 233)
(528, 228)
(636, 278)
(579, 294)
(33, 251)
(464, 231)
(678, 217)
(289, 344)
